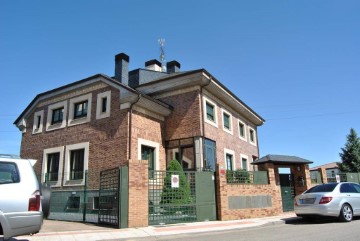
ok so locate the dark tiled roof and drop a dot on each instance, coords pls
(282, 159)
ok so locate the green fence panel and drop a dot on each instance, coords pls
(261, 177)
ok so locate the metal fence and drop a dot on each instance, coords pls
(345, 177)
(247, 177)
(171, 205)
(72, 198)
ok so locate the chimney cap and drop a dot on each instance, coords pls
(173, 63)
(122, 56)
(152, 62)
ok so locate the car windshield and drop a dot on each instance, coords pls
(329, 187)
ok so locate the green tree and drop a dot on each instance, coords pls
(350, 155)
(180, 195)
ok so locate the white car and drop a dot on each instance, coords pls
(20, 200)
(340, 200)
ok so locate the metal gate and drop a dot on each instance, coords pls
(287, 192)
(178, 197)
(109, 197)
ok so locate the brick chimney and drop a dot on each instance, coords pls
(173, 66)
(122, 68)
(153, 64)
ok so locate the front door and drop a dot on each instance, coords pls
(287, 192)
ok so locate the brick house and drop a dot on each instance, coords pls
(144, 114)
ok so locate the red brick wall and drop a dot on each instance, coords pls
(138, 194)
(225, 190)
(185, 119)
(230, 141)
(107, 137)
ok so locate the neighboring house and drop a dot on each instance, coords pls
(102, 122)
(332, 170)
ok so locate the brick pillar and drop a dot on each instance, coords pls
(221, 193)
(323, 174)
(138, 194)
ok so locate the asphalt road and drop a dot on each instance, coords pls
(319, 230)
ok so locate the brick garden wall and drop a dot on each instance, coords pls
(226, 191)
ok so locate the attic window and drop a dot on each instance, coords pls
(103, 105)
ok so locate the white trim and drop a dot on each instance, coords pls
(59, 149)
(153, 145)
(223, 111)
(73, 101)
(247, 162)
(242, 137)
(215, 122)
(100, 97)
(36, 116)
(69, 148)
(231, 152)
(52, 107)
(252, 142)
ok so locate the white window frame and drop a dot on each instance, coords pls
(215, 122)
(68, 149)
(223, 111)
(155, 145)
(255, 139)
(73, 101)
(52, 107)
(100, 97)
(231, 152)
(247, 168)
(59, 149)
(242, 137)
(36, 116)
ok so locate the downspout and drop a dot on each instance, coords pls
(130, 123)
(202, 113)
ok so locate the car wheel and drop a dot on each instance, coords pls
(346, 213)
(45, 200)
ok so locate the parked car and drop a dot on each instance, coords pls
(340, 200)
(20, 199)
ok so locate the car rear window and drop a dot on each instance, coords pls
(323, 188)
(9, 173)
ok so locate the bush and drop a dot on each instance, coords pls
(180, 195)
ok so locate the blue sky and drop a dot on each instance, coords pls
(296, 63)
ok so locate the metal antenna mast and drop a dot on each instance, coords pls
(162, 54)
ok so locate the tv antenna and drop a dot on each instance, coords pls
(162, 54)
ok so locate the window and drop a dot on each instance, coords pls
(209, 155)
(210, 115)
(242, 130)
(229, 156)
(73, 203)
(147, 153)
(9, 173)
(252, 136)
(210, 111)
(227, 121)
(229, 162)
(80, 110)
(52, 166)
(244, 164)
(149, 150)
(182, 150)
(38, 122)
(103, 105)
(56, 117)
(77, 164)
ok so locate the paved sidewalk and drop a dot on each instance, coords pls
(58, 230)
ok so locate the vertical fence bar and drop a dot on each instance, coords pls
(85, 196)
